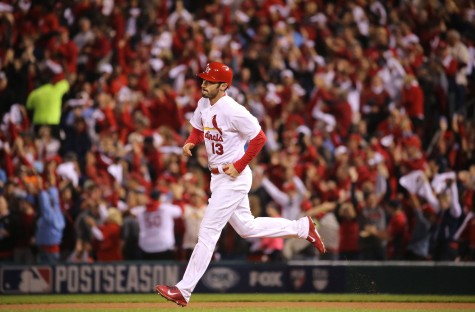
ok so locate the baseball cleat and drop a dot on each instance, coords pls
(314, 238)
(171, 293)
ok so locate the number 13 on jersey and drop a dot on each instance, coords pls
(217, 148)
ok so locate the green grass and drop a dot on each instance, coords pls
(29, 302)
(150, 298)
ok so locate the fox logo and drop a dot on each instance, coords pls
(215, 125)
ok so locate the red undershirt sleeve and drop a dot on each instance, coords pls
(254, 147)
(196, 137)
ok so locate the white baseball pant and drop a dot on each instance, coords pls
(229, 202)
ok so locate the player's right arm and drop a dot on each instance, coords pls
(196, 137)
(197, 134)
(187, 149)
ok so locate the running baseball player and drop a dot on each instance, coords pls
(225, 126)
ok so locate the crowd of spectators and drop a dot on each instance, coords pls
(367, 105)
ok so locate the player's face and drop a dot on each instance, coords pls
(209, 89)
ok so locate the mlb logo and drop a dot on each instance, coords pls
(25, 280)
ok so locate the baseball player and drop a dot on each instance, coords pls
(225, 126)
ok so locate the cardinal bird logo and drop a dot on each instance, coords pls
(215, 125)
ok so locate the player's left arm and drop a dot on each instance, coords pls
(254, 147)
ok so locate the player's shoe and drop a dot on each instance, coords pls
(171, 293)
(314, 238)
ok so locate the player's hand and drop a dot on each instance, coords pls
(230, 170)
(187, 149)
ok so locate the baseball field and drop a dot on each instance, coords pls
(239, 302)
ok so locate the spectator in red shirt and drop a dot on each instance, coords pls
(108, 236)
(154, 158)
(347, 214)
(341, 110)
(97, 49)
(65, 49)
(412, 100)
(397, 231)
(164, 109)
(349, 232)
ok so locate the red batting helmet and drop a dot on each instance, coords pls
(217, 72)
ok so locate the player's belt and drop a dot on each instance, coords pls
(214, 170)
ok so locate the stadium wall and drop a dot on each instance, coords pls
(239, 277)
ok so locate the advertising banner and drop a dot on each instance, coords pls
(240, 277)
(87, 278)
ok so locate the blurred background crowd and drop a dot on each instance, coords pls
(368, 108)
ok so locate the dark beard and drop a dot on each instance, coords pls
(209, 95)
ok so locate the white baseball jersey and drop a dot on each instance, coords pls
(157, 228)
(227, 126)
